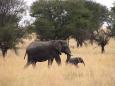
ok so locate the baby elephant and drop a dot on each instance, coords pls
(75, 61)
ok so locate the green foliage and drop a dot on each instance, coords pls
(45, 29)
(10, 32)
(50, 19)
(59, 19)
(10, 35)
(113, 19)
(99, 13)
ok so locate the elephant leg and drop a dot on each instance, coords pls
(91, 41)
(58, 60)
(85, 43)
(83, 63)
(76, 66)
(81, 44)
(34, 64)
(27, 64)
(50, 61)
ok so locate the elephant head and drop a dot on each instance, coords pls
(61, 46)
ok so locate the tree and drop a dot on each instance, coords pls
(79, 16)
(113, 19)
(91, 19)
(100, 14)
(51, 18)
(10, 32)
(58, 19)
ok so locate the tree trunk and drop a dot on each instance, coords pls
(102, 49)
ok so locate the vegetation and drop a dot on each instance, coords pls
(10, 32)
(98, 71)
(59, 19)
(113, 19)
(55, 19)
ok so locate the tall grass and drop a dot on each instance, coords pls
(99, 69)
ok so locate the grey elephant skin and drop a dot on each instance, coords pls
(39, 51)
(74, 61)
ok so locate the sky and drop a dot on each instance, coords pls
(108, 3)
(29, 2)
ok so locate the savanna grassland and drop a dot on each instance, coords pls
(99, 69)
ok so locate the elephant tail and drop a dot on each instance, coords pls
(25, 55)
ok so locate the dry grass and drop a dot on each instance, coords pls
(99, 69)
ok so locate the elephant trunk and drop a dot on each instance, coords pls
(68, 57)
(68, 52)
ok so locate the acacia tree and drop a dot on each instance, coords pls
(59, 19)
(51, 19)
(10, 32)
(56, 19)
(90, 21)
(79, 20)
(99, 15)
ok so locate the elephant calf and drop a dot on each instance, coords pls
(75, 61)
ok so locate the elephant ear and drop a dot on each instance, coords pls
(57, 45)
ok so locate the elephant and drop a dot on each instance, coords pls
(75, 61)
(81, 37)
(40, 51)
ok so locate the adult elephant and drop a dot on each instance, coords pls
(81, 37)
(39, 51)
